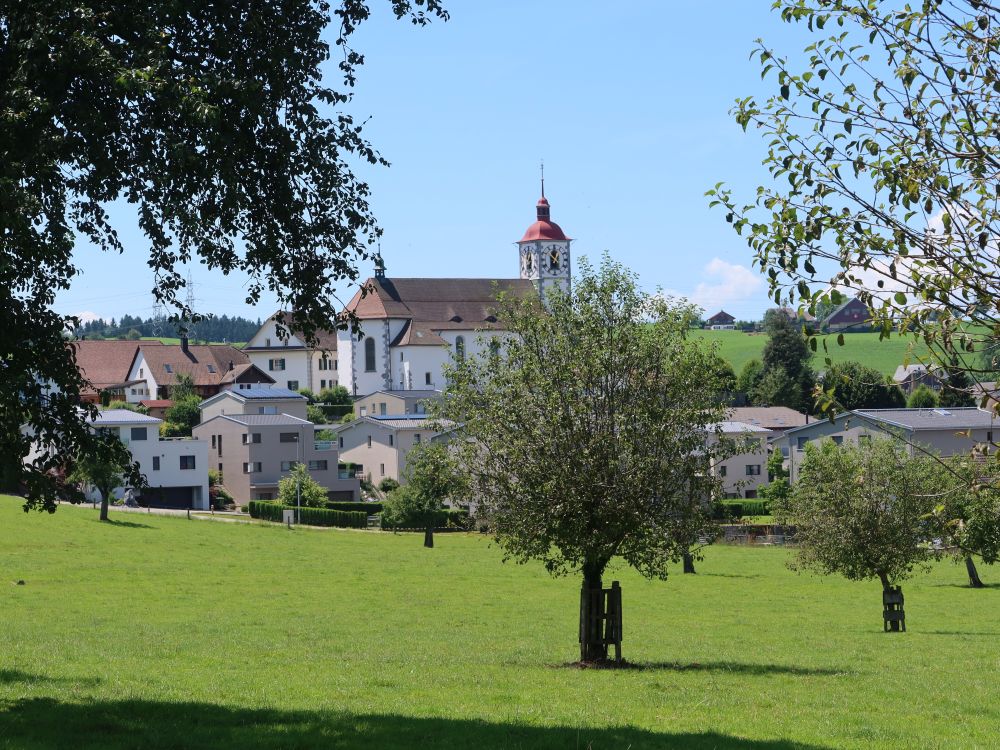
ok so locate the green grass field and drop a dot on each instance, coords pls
(885, 356)
(176, 340)
(168, 633)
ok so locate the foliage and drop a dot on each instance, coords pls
(219, 497)
(852, 385)
(968, 515)
(400, 519)
(592, 441)
(366, 508)
(922, 397)
(432, 477)
(183, 416)
(213, 122)
(183, 388)
(956, 388)
(328, 435)
(862, 511)
(214, 477)
(388, 485)
(777, 489)
(310, 516)
(882, 150)
(104, 474)
(137, 408)
(308, 394)
(725, 510)
(222, 328)
(299, 488)
(336, 396)
(315, 414)
(750, 376)
(786, 376)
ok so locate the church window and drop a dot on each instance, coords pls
(369, 354)
(460, 347)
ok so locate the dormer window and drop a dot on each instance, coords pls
(211, 368)
(168, 368)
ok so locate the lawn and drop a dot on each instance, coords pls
(166, 632)
(885, 356)
(175, 340)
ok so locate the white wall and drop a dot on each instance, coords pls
(140, 371)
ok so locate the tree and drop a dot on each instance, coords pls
(862, 511)
(336, 396)
(777, 491)
(786, 377)
(103, 474)
(922, 397)
(299, 488)
(956, 388)
(883, 154)
(137, 408)
(852, 385)
(593, 438)
(749, 376)
(315, 414)
(212, 120)
(183, 416)
(432, 476)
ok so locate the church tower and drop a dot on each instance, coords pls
(544, 252)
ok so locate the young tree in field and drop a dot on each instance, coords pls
(212, 120)
(862, 512)
(587, 433)
(432, 476)
(883, 153)
(101, 473)
(299, 488)
(852, 385)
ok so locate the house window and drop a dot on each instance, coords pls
(319, 465)
(211, 368)
(253, 437)
(293, 385)
(276, 364)
(753, 470)
(369, 354)
(213, 441)
(340, 442)
(288, 465)
(750, 494)
(267, 342)
(427, 378)
(801, 443)
(722, 471)
(460, 347)
(334, 364)
(251, 467)
(187, 462)
(381, 409)
(390, 441)
(369, 441)
(416, 438)
(381, 469)
(324, 364)
(156, 463)
(288, 437)
(168, 368)
(363, 411)
(140, 372)
(138, 433)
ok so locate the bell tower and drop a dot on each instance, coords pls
(544, 251)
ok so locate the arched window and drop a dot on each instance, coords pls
(369, 354)
(460, 347)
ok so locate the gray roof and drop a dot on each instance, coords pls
(264, 419)
(414, 393)
(730, 427)
(954, 418)
(771, 417)
(265, 393)
(115, 416)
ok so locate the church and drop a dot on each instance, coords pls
(411, 327)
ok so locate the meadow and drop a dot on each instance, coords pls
(738, 348)
(163, 632)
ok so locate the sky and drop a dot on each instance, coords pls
(627, 103)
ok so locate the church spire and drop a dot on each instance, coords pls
(542, 207)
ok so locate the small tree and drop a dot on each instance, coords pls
(315, 414)
(776, 491)
(862, 512)
(183, 416)
(432, 476)
(852, 385)
(336, 396)
(922, 398)
(299, 488)
(104, 472)
(749, 376)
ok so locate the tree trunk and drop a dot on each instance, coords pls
(887, 587)
(429, 536)
(688, 562)
(974, 580)
(104, 505)
(592, 647)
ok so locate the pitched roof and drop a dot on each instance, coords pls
(770, 417)
(157, 403)
(905, 371)
(124, 416)
(843, 311)
(325, 339)
(208, 364)
(106, 363)
(414, 393)
(256, 394)
(263, 419)
(470, 302)
(952, 418)
(722, 314)
(417, 334)
(736, 427)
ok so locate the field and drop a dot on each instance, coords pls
(175, 340)
(738, 348)
(163, 632)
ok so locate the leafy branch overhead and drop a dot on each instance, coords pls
(884, 155)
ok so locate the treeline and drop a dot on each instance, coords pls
(212, 328)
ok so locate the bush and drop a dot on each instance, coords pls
(367, 508)
(446, 518)
(725, 510)
(268, 510)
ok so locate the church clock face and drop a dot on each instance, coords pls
(554, 258)
(527, 262)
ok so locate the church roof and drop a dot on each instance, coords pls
(442, 303)
(544, 228)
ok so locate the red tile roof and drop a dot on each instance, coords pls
(209, 364)
(440, 303)
(106, 363)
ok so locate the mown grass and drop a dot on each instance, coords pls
(176, 340)
(738, 348)
(163, 632)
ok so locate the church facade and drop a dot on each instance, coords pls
(411, 327)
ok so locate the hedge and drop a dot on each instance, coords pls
(368, 508)
(448, 518)
(272, 511)
(724, 509)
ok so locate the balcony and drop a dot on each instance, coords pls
(325, 445)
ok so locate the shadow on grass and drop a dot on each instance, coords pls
(993, 634)
(966, 586)
(11, 676)
(44, 722)
(717, 666)
(126, 524)
(730, 575)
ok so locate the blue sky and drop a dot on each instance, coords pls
(628, 104)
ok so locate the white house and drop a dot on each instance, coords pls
(290, 361)
(410, 327)
(376, 447)
(176, 469)
(211, 367)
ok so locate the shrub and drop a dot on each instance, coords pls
(268, 510)
(446, 518)
(724, 510)
(366, 508)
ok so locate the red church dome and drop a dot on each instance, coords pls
(543, 229)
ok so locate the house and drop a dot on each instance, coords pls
(945, 432)
(255, 400)
(911, 377)
(176, 470)
(253, 452)
(156, 407)
(105, 365)
(411, 327)
(851, 315)
(721, 321)
(775, 419)
(743, 473)
(376, 447)
(212, 368)
(384, 403)
(797, 316)
(289, 360)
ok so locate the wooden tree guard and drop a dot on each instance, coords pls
(601, 620)
(893, 617)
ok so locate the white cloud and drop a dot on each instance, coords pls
(86, 316)
(727, 283)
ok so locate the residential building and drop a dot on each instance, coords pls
(105, 365)
(376, 447)
(255, 400)
(253, 452)
(743, 473)
(385, 403)
(721, 321)
(289, 360)
(851, 315)
(156, 407)
(176, 469)
(411, 327)
(911, 377)
(212, 368)
(775, 419)
(944, 432)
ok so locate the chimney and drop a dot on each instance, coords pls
(230, 365)
(184, 343)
